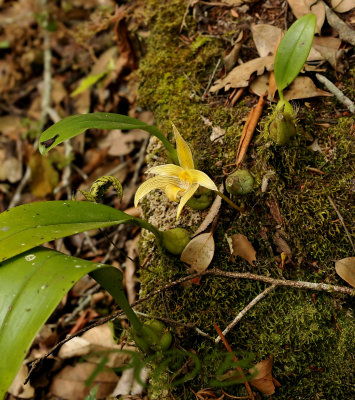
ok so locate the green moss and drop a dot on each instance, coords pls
(310, 334)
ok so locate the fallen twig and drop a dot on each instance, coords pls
(237, 96)
(345, 32)
(245, 310)
(337, 93)
(249, 129)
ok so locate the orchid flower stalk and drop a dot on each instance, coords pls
(179, 182)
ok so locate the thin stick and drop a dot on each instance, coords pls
(342, 221)
(345, 32)
(237, 96)
(239, 369)
(245, 310)
(337, 93)
(249, 129)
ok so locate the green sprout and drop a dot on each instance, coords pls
(290, 57)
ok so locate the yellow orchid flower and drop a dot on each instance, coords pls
(178, 182)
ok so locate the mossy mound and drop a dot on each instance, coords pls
(310, 334)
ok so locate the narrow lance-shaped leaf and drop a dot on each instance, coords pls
(76, 124)
(31, 286)
(293, 51)
(29, 225)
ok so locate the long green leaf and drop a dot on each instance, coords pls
(76, 124)
(29, 225)
(31, 286)
(112, 282)
(293, 51)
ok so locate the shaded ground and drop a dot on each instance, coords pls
(309, 334)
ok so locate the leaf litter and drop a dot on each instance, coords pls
(240, 246)
(345, 268)
(199, 252)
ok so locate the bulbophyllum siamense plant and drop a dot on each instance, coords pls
(33, 279)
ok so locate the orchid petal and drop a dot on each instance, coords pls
(202, 179)
(158, 182)
(185, 198)
(166, 170)
(183, 151)
(172, 192)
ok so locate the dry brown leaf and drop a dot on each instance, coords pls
(10, 160)
(261, 85)
(303, 87)
(266, 38)
(58, 91)
(263, 379)
(345, 268)
(199, 252)
(281, 243)
(275, 210)
(69, 383)
(18, 388)
(11, 127)
(121, 144)
(240, 246)
(327, 48)
(10, 169)
(240, 75)
(92, 343)
(44, 177)
(342, 6)
(231, 58)
(76, 347)
(303, 7)
(329, 42)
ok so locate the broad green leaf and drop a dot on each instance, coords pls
(31, 286)
(29, 225)
(76, 124)
(293, 51)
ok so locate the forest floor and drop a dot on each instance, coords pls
(164, 62)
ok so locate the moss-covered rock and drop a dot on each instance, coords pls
(311, 335)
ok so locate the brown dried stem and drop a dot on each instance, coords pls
(239, 369)
(249, 129)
